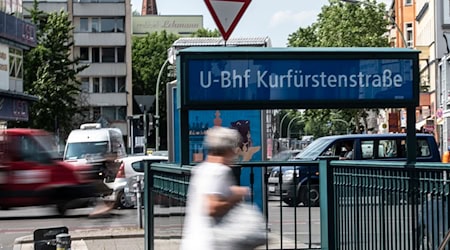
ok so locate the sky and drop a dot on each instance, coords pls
(273, 18)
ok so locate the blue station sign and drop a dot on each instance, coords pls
(301, 77)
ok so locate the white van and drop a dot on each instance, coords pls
(97, 146)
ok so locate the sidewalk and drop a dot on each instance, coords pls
(132, 238)
(127, 239)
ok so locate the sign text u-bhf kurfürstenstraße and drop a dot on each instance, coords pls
(298, 79)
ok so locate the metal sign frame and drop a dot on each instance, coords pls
(242, 53)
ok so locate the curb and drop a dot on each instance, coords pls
(91, 234)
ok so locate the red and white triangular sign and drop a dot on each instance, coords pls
(226, 14)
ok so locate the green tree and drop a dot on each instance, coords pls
(206, 33)
(50, 73)
(342, 24)
(148, 55)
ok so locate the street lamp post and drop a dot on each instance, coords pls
(281, 124)
(347, 124)
(289, 126)
(386, 13)
(157, 104)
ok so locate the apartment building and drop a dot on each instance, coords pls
(404, 12)
(102, 39)
(16, 36)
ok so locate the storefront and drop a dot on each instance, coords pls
(16, 36)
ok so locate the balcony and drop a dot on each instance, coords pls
(107, 99)
(98, 9)
(99, 39)
(105, 69)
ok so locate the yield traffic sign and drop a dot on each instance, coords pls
(226, 14)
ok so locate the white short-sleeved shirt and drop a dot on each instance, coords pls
(208, 178)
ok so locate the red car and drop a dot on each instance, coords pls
(31, 173)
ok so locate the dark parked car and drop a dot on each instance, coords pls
(383, 147)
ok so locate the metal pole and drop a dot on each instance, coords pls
(289, 126)
(145, 130)
(138, 190)
(281, 124)
(157, 105)
(344, 121)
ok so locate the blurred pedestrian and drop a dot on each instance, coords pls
(212, 189)
(446, 156)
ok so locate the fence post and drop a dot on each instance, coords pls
(148, 209)
(138, 191)
(327, 208)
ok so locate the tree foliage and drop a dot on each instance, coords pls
(148, 55)
(50, 73)
(206, 33)
(342, 24)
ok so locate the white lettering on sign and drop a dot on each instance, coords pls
(297, 79)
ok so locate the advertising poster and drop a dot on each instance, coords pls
(247, 122)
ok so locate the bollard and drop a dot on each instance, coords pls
(63, 241)
(138, 190)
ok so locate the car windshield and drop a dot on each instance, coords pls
(80, 150)
(313, 150)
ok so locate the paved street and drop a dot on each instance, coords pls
(21, 222)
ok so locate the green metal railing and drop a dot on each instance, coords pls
(363, 204)
(384, 205)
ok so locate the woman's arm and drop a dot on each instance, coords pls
(219, 205)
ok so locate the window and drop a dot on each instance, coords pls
(122, 113)
(15, 63)
(387, 149)
(104, 85)
(94, 25)
(121, 54)
(84, 25)
(108, 55)
(109, 113)
(408, 2)
(96, 113)
(85, 84)
(119, 25)
(95, 55)
(121, 84)
(108, 25)
(409, 35)
(423, 150)
(108, 84)
(84, 53)
(95, 85)
(367, 148)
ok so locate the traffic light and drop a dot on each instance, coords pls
(140, 122)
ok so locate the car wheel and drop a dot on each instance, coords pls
(311, 198)
(122, 201)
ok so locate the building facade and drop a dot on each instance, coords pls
(16, 36)
(102, 39)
